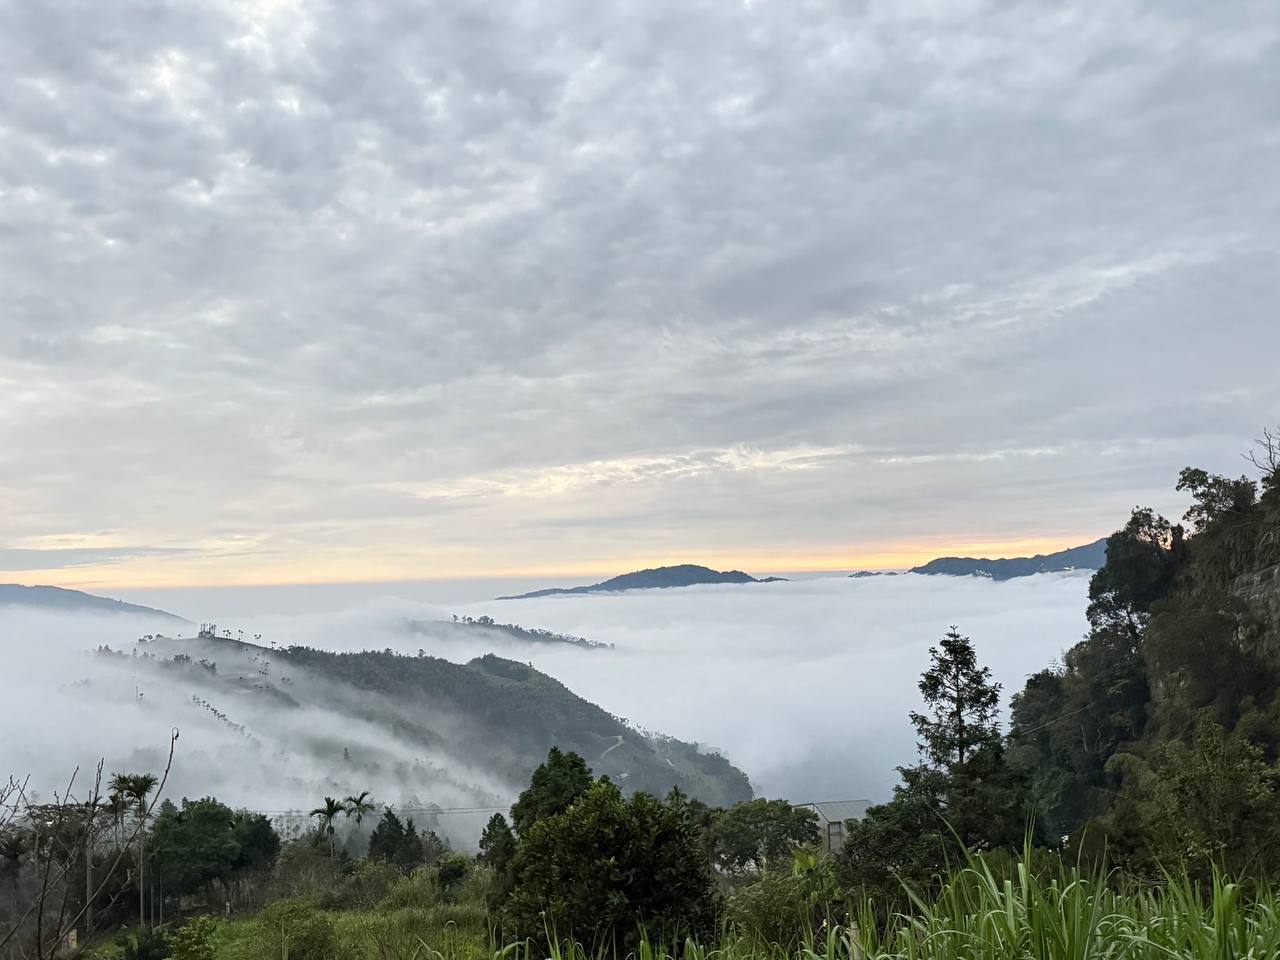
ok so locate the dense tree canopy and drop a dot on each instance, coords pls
(399, 843)
(750, 835)
(606, 866)
(1156, 735)
(204, 841)
(555, 784)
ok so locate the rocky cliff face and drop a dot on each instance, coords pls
(1261, 591)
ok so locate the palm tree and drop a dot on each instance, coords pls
(133, 789)
(358, 806)
(116, 807)
(328, 815)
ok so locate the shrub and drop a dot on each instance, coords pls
(194, 940)
(788, 907)
(146, 944)
(606, 867)
(418, 891)
(368, 884)
(451, 879)
(453, 931)
(450, 870)
(295, 930)
(302, 870)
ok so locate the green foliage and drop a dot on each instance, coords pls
(146, 944)
(555, 784)
(452, 880)
(450, 870)
(416, 934)
(387, 838)
(410, 853)
(365, 886)
(295, 930)
(194, 940)
(1155, 738)
(963, 767)
(607, 866)
(1190, 649)
(1141, 564)
(1067, 723)
(206, 841)
(502, 701)
(327, 820)
(961, 700)
(1216, 805)
(303, 870)
(752, 834)
(358, 806)
(497, 843)
(787, 907)
(258, 840)
(399, 843)
(904, 841)
(1215, 497)
(962, 796)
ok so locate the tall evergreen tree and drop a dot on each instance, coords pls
(962, 791)
(409, 855)
(961, 701)
(387, 838)
(562, 779)
(497, 843)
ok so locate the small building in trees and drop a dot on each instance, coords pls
(832, 816)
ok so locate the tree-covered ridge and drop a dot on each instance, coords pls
(680, 575)
(1154, 745)
(493, 714)
(1091, 556)
(60, 598)
(1159, 733)
(482, 626)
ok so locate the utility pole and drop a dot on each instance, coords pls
(88, 875)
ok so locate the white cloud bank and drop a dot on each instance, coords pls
(805, 685)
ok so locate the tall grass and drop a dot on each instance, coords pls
(978, 916)
(1061, 914)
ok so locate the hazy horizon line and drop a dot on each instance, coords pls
(882, 561)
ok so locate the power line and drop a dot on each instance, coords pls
(298, 812)
(1047, 723)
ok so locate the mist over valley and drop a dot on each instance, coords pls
(799, 687)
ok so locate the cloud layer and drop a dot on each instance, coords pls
(805, 685)
(321, 292)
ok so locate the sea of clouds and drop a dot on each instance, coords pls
(805, 685)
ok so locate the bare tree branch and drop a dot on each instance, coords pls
(49, 821)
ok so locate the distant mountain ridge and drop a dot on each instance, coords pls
(58, 598)
(680, 575)
(471, 627)
(1091, 556)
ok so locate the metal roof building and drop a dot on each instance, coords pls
(832, 815)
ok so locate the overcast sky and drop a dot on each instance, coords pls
(332, 291)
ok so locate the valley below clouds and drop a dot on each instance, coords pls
(804, 685)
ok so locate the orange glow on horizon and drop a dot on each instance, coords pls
(213, 571)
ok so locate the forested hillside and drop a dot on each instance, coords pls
(681, 575)
(1091, 556)
(492, 716)
(1161, 729)
(1153, 746)
(74, 601)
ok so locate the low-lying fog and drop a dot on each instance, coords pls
(805, 685)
